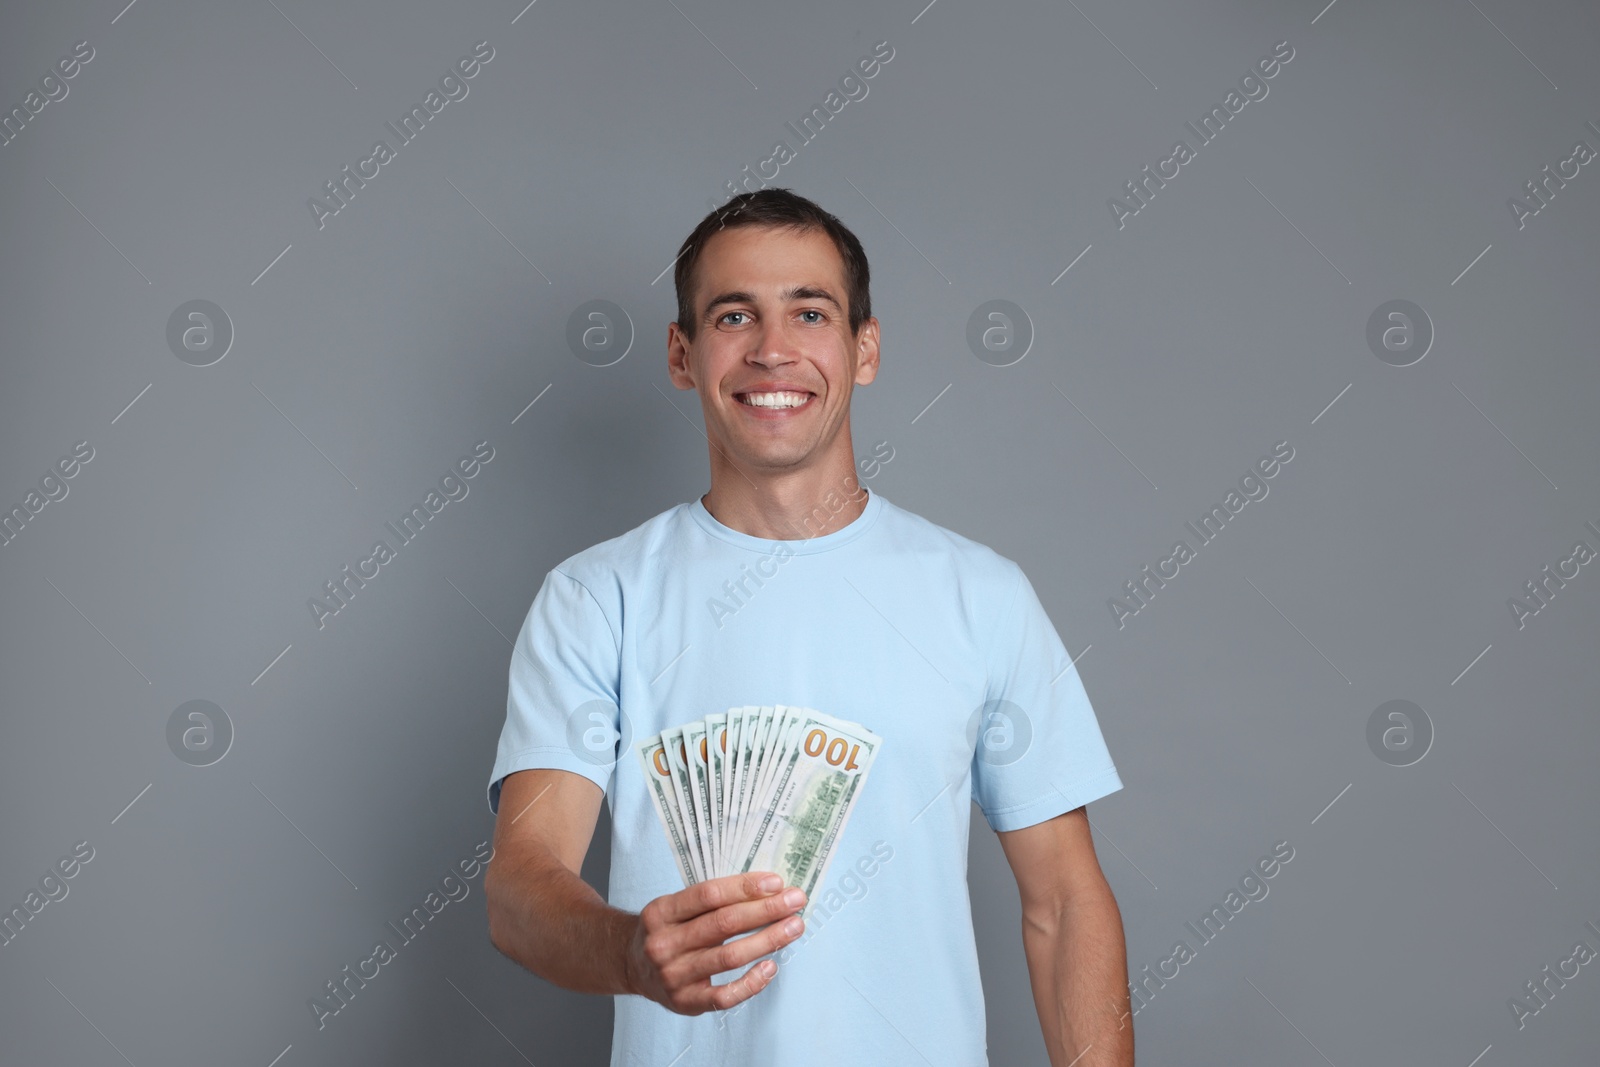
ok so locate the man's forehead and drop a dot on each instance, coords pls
(784, 295)
(724, 281)
(757, 242)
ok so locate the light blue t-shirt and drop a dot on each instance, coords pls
(934, 642)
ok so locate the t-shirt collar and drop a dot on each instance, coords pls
(801, 546)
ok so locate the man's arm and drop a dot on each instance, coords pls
(543, 915)
(1072, 935)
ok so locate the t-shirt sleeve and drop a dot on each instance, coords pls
(1038, 750)
(562, 708)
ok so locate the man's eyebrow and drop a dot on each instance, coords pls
(795, 292)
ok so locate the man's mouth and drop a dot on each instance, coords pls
(781, 400)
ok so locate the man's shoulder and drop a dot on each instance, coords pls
(606, 562)
(924, 539)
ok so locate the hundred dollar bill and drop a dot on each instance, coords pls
(694, 748)
(764, 753)
(743, 747)
(716, 749)
(778, 743)
(784, 722)
(813, 792)
(730, 805)
(658, 782)
(741, 738)
(733, 768)
(744, 762)
(682, 790)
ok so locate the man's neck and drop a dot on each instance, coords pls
(794, 506)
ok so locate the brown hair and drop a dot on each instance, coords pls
(782, 208)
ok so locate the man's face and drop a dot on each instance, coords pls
(773, 357)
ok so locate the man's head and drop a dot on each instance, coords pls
(773, 308)
(779, 208)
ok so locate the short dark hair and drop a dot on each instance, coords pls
(782, 208)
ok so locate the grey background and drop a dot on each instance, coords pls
(1228, 315)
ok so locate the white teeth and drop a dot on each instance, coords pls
(775, 400)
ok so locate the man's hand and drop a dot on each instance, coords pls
(677, 944)
(543, 915)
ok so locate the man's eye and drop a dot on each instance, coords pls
(725, 317)
(813, 311)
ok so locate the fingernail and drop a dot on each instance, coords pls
(793, 927)
(770, 883)
(769, 968)
(794, 898)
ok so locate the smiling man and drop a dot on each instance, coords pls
(934, 642)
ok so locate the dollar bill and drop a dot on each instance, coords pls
(694, 737)
(771, 725)
(756, 719)
(682, 789)
(730, 771)
(778, 741)
(716, 750)
(658, 779)
(820, 776)
(767, 787)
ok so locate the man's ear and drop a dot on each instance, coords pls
(678, 369)
(867, 352)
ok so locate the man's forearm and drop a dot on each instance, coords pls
(549, 920)
(1078, 966)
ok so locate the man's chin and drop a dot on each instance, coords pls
(771, 461)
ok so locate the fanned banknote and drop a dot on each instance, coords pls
(682, 791)
(658, 781)
(766, 788)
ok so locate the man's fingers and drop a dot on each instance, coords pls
(715, 927)
(743, 987)
(715, 893)
(735, 954)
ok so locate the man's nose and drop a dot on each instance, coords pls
(774, 343)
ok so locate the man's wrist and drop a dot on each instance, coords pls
(627, 931)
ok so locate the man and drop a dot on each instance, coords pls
(790, 583)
